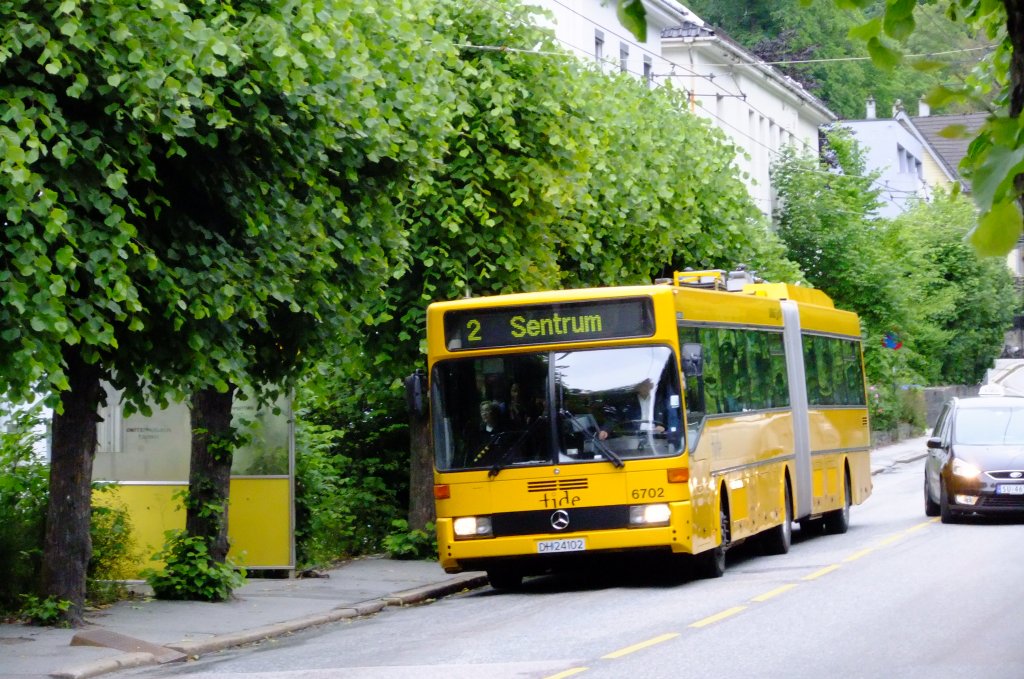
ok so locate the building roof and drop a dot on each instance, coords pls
(951, 151)
(688, 29)
(699, 32)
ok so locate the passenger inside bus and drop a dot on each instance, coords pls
(485, 432)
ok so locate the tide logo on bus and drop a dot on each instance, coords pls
(564, 500)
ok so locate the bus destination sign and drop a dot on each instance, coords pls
(548, 323)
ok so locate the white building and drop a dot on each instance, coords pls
(757, 107)
(909, 163)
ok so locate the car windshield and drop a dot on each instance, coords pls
(556, 408)
(989, 426)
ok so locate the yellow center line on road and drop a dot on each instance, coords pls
(892, 539)
(729, 612)
(718, 616)
(637, 647)
(921, 525)
(824, 571)
(774, 593)
(568, 673)
(857, 555)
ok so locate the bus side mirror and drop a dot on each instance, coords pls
(415, 393)
(693, 359)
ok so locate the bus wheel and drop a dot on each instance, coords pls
(778, 539)
(505, 577)
(838, 520)
(711, 564)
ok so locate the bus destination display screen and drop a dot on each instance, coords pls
(548, 323)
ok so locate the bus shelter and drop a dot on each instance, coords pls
(143, 462)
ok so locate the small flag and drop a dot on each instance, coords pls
(891, 341)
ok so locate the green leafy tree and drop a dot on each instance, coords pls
(188, 193)
(825, 219)
(995, 159)
(965, 301)
(558, 175)
(815, 38)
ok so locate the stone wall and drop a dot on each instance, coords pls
(935, 397)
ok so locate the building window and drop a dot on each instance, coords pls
(598, 46)
(648, 70)
(623, 57)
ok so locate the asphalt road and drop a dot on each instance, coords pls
(899, 595)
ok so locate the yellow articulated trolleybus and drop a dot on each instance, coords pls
(684, 416)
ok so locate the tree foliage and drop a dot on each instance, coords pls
(192, 193)
(815, 37)
(966, 301)
(995, 159)
(557, 175)
(914, 277)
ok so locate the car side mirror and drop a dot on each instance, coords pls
(935, 442)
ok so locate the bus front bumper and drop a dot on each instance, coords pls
(477, 553)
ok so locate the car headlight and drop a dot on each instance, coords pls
(472, 527)
(649, 515)
(964, 469)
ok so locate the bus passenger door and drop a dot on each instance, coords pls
(793, 340)
(698, 442)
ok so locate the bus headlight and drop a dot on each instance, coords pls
(472, 527)
(649, 515)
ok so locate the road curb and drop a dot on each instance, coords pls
(220, 642)
(95, 668)
(902, 459)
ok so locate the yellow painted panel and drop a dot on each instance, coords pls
(259, 519)
(260, 524)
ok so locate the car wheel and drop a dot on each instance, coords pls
(838, 520)
(931, 507)
(945, 511)
(778, 539)
(505, 577)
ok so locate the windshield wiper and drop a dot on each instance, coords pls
(507, 455)
(602, 447)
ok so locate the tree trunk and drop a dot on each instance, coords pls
(1015, 32)
(68, 546)
(209, 479)
(421, 474)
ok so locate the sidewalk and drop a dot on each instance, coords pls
(146, 632)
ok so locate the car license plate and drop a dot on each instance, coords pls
(566, 545)
(1010, 489)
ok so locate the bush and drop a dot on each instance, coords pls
(24, 492)
(403, 543)
(344, 505)
(49, 611)
(114, 552)
(190, 573)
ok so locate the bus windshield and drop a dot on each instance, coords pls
(556, 408)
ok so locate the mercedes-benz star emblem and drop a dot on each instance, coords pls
(560, 520)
